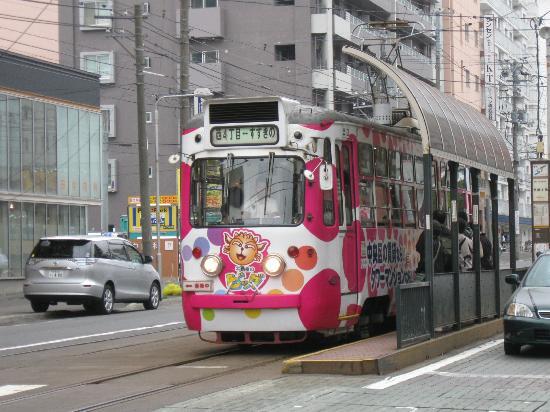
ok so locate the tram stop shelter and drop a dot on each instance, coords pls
(454, 131)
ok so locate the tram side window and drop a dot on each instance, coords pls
(339, 187)
(381, 161)
(395, 165)
(366, 161)
(328, 200)
(461, 177)
(419, 170)
(382, 203)
(408, 167)
(366, 203)
(444, 175)
(420, 207)
(347, 184)
(409, 212)
(327, 151)
(395, 197)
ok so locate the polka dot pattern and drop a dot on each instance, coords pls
(208, 314)
(307, 258)
(215, 236)
(293, 280)
(203, 244)
(186, 253)
(275, 292)
(253, 313)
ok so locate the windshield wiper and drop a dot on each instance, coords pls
(268, 180)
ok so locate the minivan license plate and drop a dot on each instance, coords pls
(55, 274)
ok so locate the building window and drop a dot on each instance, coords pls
(284, 2)
(467, 32)
(101, 63)
(146, 8)
(285, 52)
(201, 4)
(108, 119)
(203, 57)
(148, 117)
(150, 172)
(96, 14)
(112, 185)
(146, 62)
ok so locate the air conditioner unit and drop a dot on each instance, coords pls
(112, 177)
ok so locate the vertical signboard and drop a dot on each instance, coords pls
(540, 209)
(490, 60)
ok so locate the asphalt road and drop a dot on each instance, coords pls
(134, 360)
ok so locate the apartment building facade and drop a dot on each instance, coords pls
(280, 47)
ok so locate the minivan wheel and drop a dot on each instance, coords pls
(107, 302)
(154, 297)
(39, 307)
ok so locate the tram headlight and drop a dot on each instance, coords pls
(273, 265)
(211, 265)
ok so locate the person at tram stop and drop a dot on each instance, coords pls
(465, 248)
(487, 249)
(468, 231)
(441, 246)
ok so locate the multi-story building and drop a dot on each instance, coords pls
(50, 155)
(97, 36)
(516, 92)
(284, 47)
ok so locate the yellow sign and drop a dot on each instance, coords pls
(168, 220)
(164, 200)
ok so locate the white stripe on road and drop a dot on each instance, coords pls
(95, 335)
(6, 390)
(478, 375)
(200, 367)
(394, 380)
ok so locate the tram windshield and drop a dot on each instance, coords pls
(247, 191)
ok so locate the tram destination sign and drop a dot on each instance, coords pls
(244, 135)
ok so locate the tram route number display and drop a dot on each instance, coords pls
(244, 135)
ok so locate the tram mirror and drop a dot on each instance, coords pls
(309, 175)
(325, 177)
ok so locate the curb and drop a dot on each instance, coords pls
(394, 361)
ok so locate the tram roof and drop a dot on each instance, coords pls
(449, 128)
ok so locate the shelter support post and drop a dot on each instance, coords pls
(453, 171)
(512, 222)
(475, 227)
(428, 238)
(495, 239)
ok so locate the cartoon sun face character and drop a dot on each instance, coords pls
(243, 248)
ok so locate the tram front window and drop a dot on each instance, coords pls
(238, 191)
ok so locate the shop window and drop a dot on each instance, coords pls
(285, 52)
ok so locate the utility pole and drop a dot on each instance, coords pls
(142, 138)
(516, 67)
(184, 64)
(438, 49)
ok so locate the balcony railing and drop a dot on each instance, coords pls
(364, 30)
(409, 51)
(417, 10)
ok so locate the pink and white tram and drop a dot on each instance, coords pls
(296, 219)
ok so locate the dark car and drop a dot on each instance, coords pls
(527, 313)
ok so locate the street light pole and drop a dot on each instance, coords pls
(204, 93)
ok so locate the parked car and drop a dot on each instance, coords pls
(527, 313)
(92, 271)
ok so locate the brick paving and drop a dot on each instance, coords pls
(487, 381)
